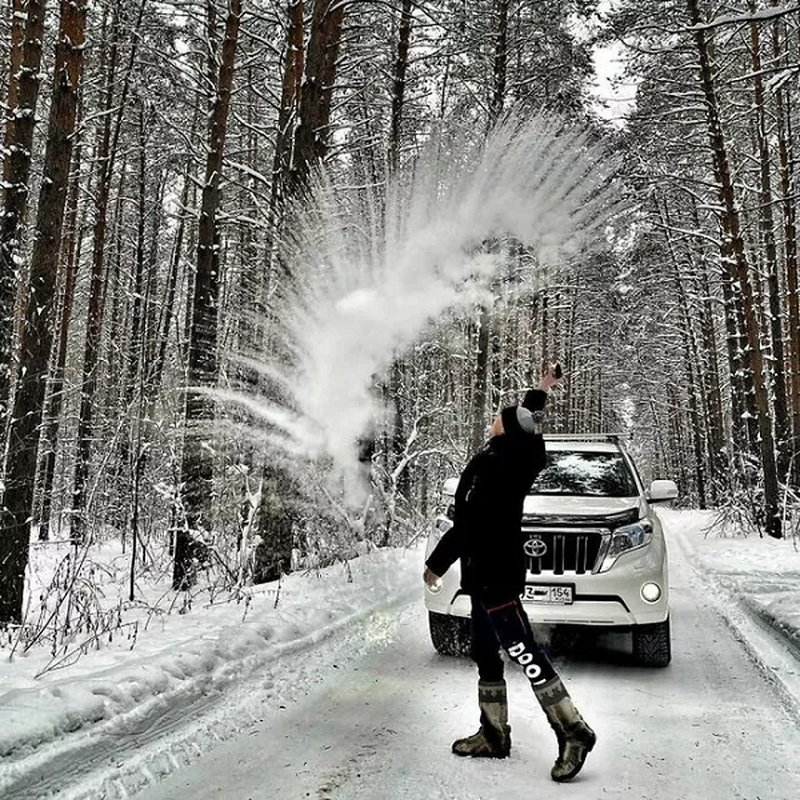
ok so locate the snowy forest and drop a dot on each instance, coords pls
(159, 160)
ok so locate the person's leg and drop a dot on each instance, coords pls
(485, 645)
(575, 737)
(513, 631)
(493, 739)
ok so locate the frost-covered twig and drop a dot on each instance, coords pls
(69, 657)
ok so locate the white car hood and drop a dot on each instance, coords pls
(573, 506)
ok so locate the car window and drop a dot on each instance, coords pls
(588, 474)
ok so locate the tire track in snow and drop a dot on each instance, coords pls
(115, 759)
(769, 652)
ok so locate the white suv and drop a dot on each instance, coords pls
(595, 551)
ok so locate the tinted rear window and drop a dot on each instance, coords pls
(588, 474)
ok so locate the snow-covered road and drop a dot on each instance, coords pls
(380, 725)
(364, 708)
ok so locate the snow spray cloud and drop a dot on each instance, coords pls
(371, 273)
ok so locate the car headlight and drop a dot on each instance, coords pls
(626, 538)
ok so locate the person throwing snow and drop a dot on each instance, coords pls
(486, 537)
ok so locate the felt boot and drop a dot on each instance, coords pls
(575, 737)
(493, 739)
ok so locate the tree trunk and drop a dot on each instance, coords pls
(118, 287)
(167, 311)
(486, 323)
(314, 110)
(290, 99)
(302, 143)
(396, 440)
(778, 361)
(133, 358)
(399, 84)
(70, 254)
(786, 158)
(734, 260)
(719, 474)
(499, 62)
(197, 466)
(37, 332)
(284, 139)
(150, 342)
(275, 521)
(478, 420)
(19, 21)
(691, 363)
(106, 156)
(23, 95)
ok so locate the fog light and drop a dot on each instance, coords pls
(436, 588)
(651, 592)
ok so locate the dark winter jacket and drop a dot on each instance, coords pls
(486, 533)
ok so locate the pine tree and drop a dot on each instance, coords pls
(37, 333)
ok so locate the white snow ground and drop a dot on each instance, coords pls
(337, 693)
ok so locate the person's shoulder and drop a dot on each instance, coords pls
(484, 457)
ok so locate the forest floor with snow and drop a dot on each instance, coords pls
(179, 665)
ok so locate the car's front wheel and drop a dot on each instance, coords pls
(451, 636)
(652, 644)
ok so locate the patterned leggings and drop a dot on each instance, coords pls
(506, 625)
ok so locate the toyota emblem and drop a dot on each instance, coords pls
(535, 548)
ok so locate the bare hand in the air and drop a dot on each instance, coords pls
(550, 377)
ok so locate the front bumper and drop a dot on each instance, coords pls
(610, 599)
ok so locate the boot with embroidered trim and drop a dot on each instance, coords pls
(575, 738)
(493, 739)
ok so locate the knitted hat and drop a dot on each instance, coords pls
(526, 418)
(519, 421)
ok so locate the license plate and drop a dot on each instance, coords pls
(557, 595)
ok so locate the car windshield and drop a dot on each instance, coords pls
(587, 474)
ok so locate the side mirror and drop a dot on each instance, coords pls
(450, 486)
(661, 491)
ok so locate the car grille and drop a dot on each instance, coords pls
(562, 551)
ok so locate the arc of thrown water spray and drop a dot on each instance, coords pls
(537, 179)
(265, 370)
(278, 446)
(300, 437)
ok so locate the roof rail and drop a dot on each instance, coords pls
(585, 437)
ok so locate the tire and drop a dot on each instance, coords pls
(652, 644)
(451, 636)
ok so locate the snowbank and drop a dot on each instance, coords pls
(200, 652)
(763, 574)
